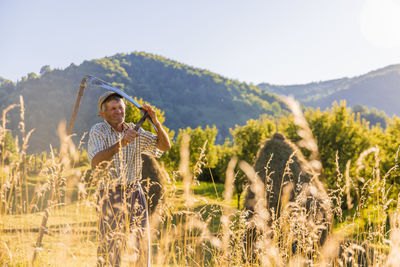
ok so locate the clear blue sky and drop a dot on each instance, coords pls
(280, 42)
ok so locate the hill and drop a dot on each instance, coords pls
(189, 96)
(378, 89)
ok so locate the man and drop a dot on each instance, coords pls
(114, 150)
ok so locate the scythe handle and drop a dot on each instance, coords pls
(76, 107)
(142, 120)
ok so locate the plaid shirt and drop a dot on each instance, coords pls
(126, 165)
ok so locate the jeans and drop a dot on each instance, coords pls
(123, 223)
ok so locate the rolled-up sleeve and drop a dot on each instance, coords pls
(148, 144)
(96, 142)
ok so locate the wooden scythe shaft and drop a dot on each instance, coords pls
(43, 226)
(76, 107)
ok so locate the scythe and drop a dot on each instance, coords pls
(98, 82)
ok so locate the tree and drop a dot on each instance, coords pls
(44, 69)
(336, 130)
(9, 146)
(225, 152)
(247, 138)
(374, 116)
(389, 142)
(202, 149)
(32, 76)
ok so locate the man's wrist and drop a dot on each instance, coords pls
(116, 147)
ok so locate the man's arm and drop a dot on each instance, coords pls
(105, 155)
(108, 153)
(163, 142)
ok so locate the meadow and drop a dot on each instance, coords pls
(48, 213)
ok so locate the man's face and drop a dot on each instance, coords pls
(114, 112)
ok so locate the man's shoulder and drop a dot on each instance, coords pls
(99, 127)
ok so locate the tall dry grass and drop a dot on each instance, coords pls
(50, 219)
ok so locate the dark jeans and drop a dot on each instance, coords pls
(123, 223)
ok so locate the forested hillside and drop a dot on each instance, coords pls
(189, 96)
(378, 89)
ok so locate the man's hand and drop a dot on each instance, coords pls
(106, 154)
(151, 112)
(163, 142)
(128, 137)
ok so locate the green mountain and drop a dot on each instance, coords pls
(379, 89)
(189, 96)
